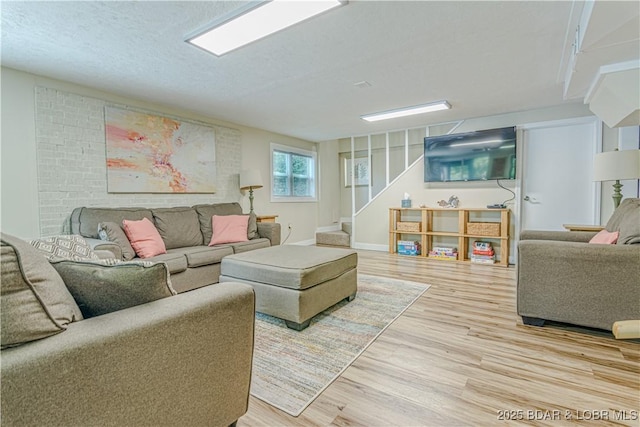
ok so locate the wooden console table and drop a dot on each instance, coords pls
(266, 218)
(462, 235)
(578, 227)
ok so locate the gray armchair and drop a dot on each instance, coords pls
(563, 278)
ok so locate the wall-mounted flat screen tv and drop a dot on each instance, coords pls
(471, 156)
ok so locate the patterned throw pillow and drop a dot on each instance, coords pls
(72, 247)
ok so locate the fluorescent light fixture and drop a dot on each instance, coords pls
(407, 111)
(255, 22)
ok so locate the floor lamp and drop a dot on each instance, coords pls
(615, 166)
(250, 179)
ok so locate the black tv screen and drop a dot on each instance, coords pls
(471, 156)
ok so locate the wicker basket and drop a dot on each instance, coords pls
(483, 228)
(408, 226)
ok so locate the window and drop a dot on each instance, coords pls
(293, 174)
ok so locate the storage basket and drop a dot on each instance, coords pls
(483, 228)
(408, 226)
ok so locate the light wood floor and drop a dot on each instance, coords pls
(461, 356)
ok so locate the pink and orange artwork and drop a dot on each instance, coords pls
(154, 154)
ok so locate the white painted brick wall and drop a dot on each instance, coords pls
(72, 169)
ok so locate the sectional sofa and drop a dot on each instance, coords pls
(563, 277)
(173, 360)
(185, 231)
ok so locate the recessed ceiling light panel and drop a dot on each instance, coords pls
(258, 21)
(407, 111)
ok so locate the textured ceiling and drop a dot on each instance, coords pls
(483, 57)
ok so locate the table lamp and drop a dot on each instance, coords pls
(250, 179)
(614, 166)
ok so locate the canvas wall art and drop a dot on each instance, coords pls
(361, 171)
(154, 154)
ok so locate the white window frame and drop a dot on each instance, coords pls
(302, 152)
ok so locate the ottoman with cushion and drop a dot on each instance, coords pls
(292, 282)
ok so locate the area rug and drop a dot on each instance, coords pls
(291, 369)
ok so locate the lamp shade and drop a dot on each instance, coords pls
(250, 179)
(616, 165)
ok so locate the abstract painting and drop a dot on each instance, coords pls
(154, 154)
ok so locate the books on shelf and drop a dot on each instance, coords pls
(409, 247)
(483, 253)
(443, 252)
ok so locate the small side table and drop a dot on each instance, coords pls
(266, 218)
(578, 227)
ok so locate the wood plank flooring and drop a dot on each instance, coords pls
(460, 356)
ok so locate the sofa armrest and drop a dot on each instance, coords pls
(105, 249)
(564, 236)
(181, 360)
(586, 284)
(270, 230)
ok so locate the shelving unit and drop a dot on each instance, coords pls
(463, 236)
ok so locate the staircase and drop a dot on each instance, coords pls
(335, 238)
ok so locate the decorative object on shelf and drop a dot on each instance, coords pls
(483, 228)
(250, 179)
(453, 202)
(155, 154)
(614, 166)
(406, 201)
(408, 226)
(423, 205)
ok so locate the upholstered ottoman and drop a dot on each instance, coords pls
(294, 282)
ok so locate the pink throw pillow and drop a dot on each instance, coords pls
(605, 237)
(144, 238)
(229, 229)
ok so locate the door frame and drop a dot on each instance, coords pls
(521, 161)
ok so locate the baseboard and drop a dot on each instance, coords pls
(371, 247)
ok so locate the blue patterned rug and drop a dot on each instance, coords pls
(291, 369)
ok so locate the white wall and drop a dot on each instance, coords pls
(20, 181)
(303, 216)
(372, 223)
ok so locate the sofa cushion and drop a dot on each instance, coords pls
(112, 232)
(144, 238)
(252, 230)
(198, 256)
(626, 220)
(64, 247)
(84, 221)
(229, 229)
(178, 227)
(174, 258)
(630, 224)
(206, 212)
(34, 301)
(112, 285)
(250, 245)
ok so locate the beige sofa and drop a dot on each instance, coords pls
(181, 360)
(563, 278)
(186, 231)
